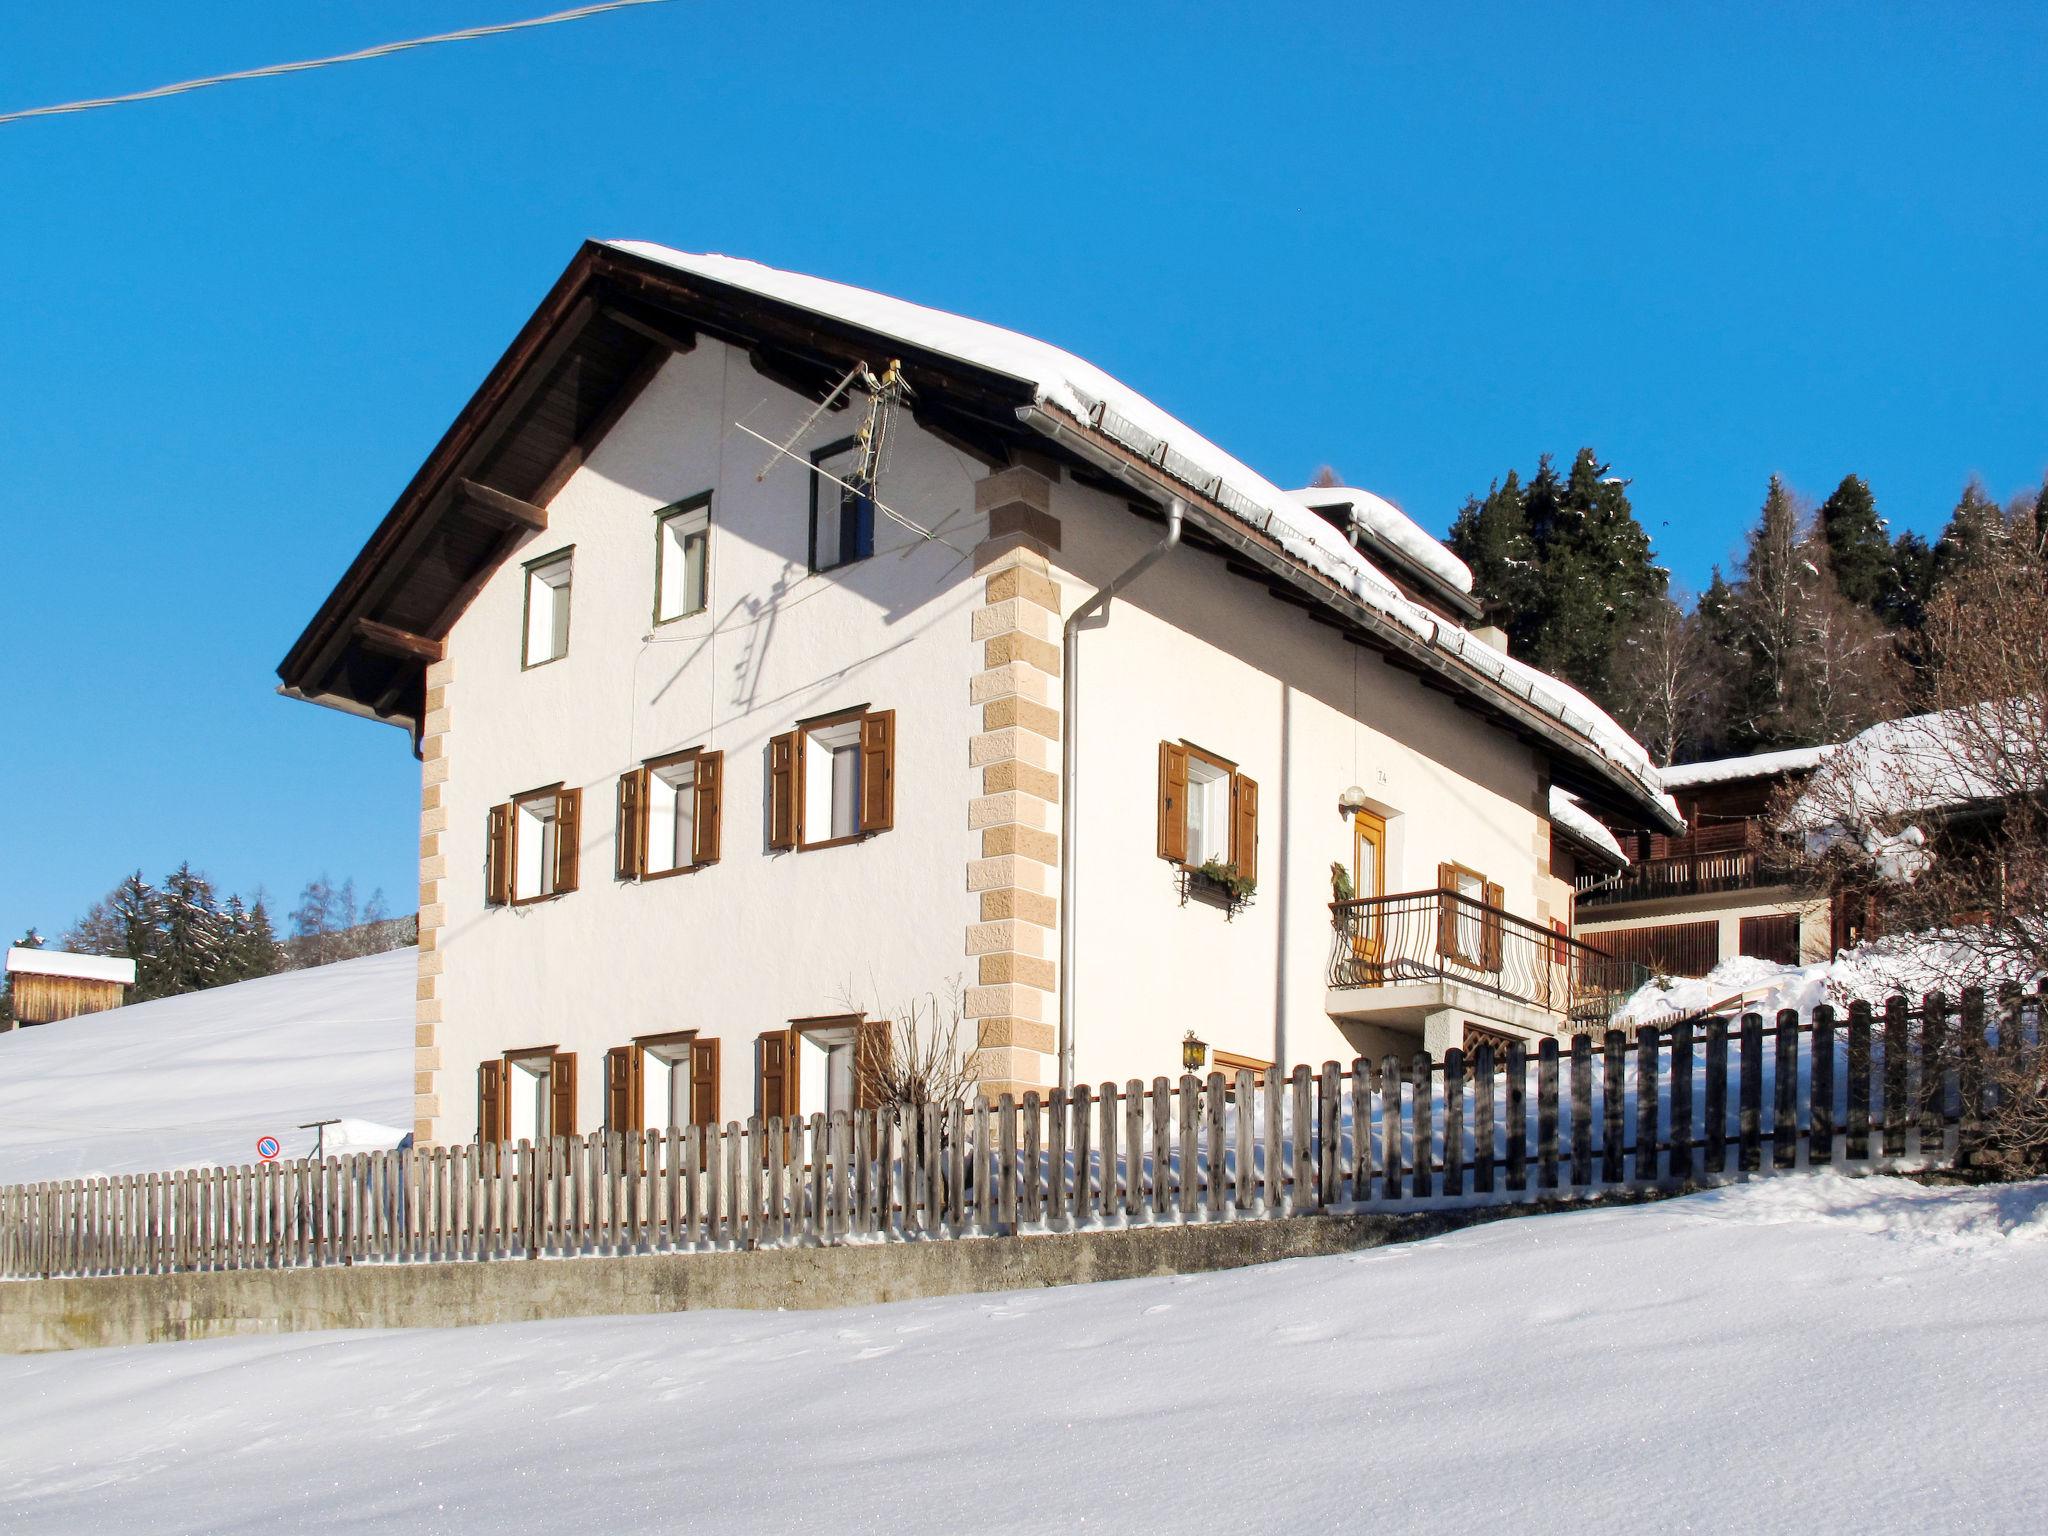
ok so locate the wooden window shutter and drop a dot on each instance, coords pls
(704, 1081)
(710, 797)
(777, 1072)
(1447, 910)
(1491, 928)
(562, 1094)
(785, 799)
(568, 837)
(623, 1099)
(878, 771)
(490, 1101)
(632, 827)
(870, 1062)
(1173, 802)
(1244, 825)
(498, 857)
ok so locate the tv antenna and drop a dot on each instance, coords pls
(871, 440)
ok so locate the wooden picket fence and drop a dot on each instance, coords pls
(1695, 1101)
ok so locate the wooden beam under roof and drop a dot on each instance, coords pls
(507, 509)
(393, 641)
(677, 338)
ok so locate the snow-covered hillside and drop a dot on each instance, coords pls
(1800, 1354)
(198, 1079)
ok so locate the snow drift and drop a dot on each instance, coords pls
(197, 1079)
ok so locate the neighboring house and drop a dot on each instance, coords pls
(728, 754)
(1685, 902)
(46, 985)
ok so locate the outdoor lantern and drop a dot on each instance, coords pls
(1194, 1052)
(1353, 800)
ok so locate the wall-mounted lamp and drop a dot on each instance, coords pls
(1353, 800)
(1194, 1052)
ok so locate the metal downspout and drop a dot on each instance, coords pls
(1092, 614)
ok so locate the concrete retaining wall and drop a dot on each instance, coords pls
(44, 1315)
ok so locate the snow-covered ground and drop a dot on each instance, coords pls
(1800, 1354)
(198, 1079)
(1911, 965)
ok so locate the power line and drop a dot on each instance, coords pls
(378, 52)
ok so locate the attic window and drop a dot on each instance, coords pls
(842, 520)
(547, 609)
(682, 548)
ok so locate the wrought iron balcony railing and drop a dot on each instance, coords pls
(1441, 935)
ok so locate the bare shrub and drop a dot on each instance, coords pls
(912, 1055)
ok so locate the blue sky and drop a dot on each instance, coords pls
(1422, 244)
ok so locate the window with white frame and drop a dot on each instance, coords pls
(825, 1067)
(831, 781)
(671, 815)
(1208, 810)
(665, 1083)
(530, 1097)
(842, 510)
(682, 559)
(1471, 928)
(535, 860)
(547, 608)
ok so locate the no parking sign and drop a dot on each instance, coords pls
(266, 1149)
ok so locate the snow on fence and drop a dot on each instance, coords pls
(1709, 1100)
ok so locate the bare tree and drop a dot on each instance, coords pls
(1664, 682)
(1940, 823)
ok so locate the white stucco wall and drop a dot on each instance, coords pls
(759, 938)
(1196, 652)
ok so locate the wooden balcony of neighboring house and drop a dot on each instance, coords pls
(1399, 961)
(1732, 856)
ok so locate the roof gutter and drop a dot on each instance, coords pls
(1092, 614)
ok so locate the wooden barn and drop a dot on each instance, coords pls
(52, 984)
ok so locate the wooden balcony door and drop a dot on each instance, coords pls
(1369, 883)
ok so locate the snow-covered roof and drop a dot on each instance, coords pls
(1758, 765)
(1071, 385)
(1926, 763)
(1579, 824)
(1392, 527)
(64, 962)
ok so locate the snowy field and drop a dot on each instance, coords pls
(197, 1079)
(1803, 1354)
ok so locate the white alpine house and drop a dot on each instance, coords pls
(779, 653)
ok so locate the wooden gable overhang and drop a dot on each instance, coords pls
(595, 342)
(599, 337)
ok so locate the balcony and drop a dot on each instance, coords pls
(1713, 859)
(1402, 960)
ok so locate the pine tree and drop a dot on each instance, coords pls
(1492, 538)
(1976, 531)
(1859, 548)
(194, 951)
(1563, 566)
(253, 944)
(1766, 604)
(134, 918)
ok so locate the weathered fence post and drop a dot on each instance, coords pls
(1647, 1128)
(1482, 1120)
(1422, 1084)
(1820, 1089)
(1454, 1121)
(1858, 1146)
(1613, 1107)
(1785, 1113)
(1393, 1120)
(1750, 1128)
(1898, 1106)
(1681, 1101)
